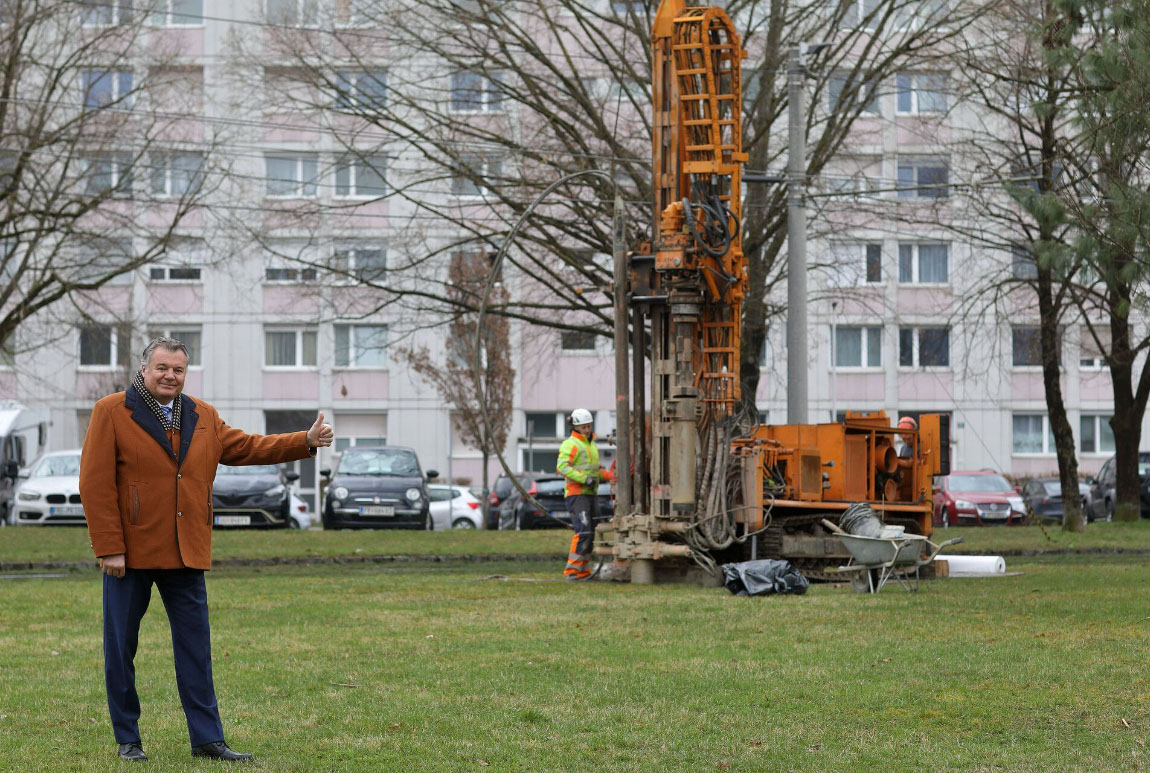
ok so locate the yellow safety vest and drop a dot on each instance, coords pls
(579, 460)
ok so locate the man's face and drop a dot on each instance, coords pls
(583, 429)
(164, 374)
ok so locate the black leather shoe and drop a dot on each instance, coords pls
(220, 751)
(132, 752)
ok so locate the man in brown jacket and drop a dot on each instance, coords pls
(146, 478)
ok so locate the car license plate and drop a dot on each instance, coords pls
(66, 510)
(233, 520)
(377, 510)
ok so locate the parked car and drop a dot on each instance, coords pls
(976, 497)
(1102, 488)
(252, 495)
(504, 488)
(1043, 498)
(51, 493)
(549, 491)
(455, 507)
(377, 487)
(300, 513)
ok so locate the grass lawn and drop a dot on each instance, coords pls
(437, 667)
(40, 544)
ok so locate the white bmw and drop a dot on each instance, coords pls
(51, 493)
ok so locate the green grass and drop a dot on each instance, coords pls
(62, 544)
(434, 667)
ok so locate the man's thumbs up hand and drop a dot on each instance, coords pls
(320, 435)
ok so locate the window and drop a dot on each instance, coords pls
(577, 341)
(103, 258)
(924, 347)
(841, 88)
(105, 13)
(540, 425)
(361, 177)
(1023, 264)
(367, 264)
(292, 175)
(177, 174)
(355, 90)
(1092, 353)
(921, 92)
(473, 92)
(104, 346)
(1026, 348)
(1032, 434)
(290, 273)
(857, 347)
(923, 263)
(860, 13)
(623, 8)
(923, 178)
(108, 174)
(292, 12)
(1095, 435)
(287, 348)
(174, 273)
(855, 264)
(191, 337)
(361, 346)
(476, 173)
(177, 13)
(101, 88)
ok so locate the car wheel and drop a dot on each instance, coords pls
(946, 517)
(518, 521)
(462, 523)
(429, 524)
(1109, 509)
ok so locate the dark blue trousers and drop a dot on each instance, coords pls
(185, 598)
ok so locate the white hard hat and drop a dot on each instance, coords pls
(580, 416)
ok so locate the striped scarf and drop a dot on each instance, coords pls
(154, 405)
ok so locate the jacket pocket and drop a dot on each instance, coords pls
(135, 517)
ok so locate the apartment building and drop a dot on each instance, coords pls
(273, 282)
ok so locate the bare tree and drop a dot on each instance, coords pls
(102, 161)
(1104, 44)
(480, 104)
(1024, 103)
(453, 376)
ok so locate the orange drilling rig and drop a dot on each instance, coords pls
(707, 483)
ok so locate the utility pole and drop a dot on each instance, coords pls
(622, 372)
(796, 240)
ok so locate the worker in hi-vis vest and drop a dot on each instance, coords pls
(579, 463)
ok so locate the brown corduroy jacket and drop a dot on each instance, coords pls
(147, 491)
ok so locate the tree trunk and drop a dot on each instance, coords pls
(1127, 427)
(1050, 342)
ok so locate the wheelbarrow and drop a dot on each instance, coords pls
(892, 555)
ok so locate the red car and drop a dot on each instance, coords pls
(976, 498)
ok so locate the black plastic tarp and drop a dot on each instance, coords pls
(758, 578)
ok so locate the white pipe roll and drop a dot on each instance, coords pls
(968, 565)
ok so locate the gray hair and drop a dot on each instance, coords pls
(171, 344)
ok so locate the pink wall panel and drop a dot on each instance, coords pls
(935, 387)
(1028, 386)
(359, 385)
(1034, 467)
(571, 382)
(290, 299)
(165, 300)
(926, 301)
(365, 214)
(176, 41)
(1096, 385)
(303, 385)
(8, 385)
(862, 302)
(921, 131)
(161, 215)
(858, 386)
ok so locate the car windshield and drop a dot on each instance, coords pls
(248, 469)
(1143, 465)
(1053, 487)
(550, 487)
(399, 462)
(51, 466)
(988, 483)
